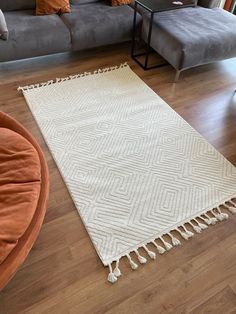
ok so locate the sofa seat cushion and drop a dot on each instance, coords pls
(98, 24)
(20, 183)
(192, 36)
(32, 36)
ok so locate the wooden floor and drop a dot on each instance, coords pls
(63, 273)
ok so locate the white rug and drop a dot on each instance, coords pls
(135, 169)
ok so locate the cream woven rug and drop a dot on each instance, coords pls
(140, 176)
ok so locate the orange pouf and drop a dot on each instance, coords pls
(24, 188)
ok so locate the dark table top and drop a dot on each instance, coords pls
(165, 5)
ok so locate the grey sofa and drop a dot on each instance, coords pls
(91, 23)
(190, 37)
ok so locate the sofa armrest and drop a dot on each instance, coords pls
(210, 4)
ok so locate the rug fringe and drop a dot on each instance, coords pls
(71, 77)
(197, 224)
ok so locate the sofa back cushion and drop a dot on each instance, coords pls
(75, 2)
(12, 5)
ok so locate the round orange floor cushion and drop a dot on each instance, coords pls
(24, 186)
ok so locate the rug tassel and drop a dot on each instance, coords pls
(200, 225)
(197, 229)
(189, 233)
(167, 245)
(224, 216)
(151, 254)
(212, 219)
(160, 249)
(117, 271)
(232, 209)
(174, 240)
(183, 234)
(141, 259)
(206, 220)
(132, 263)
(111, 277)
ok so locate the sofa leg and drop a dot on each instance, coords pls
(177, 76)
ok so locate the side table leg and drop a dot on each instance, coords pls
(148, 41)
(134, 29)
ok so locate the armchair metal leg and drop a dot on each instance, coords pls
(177, 75)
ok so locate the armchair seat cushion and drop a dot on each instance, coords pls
(193, 36)
(32, 36)
(98, 24)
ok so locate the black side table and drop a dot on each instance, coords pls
(154, 6)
